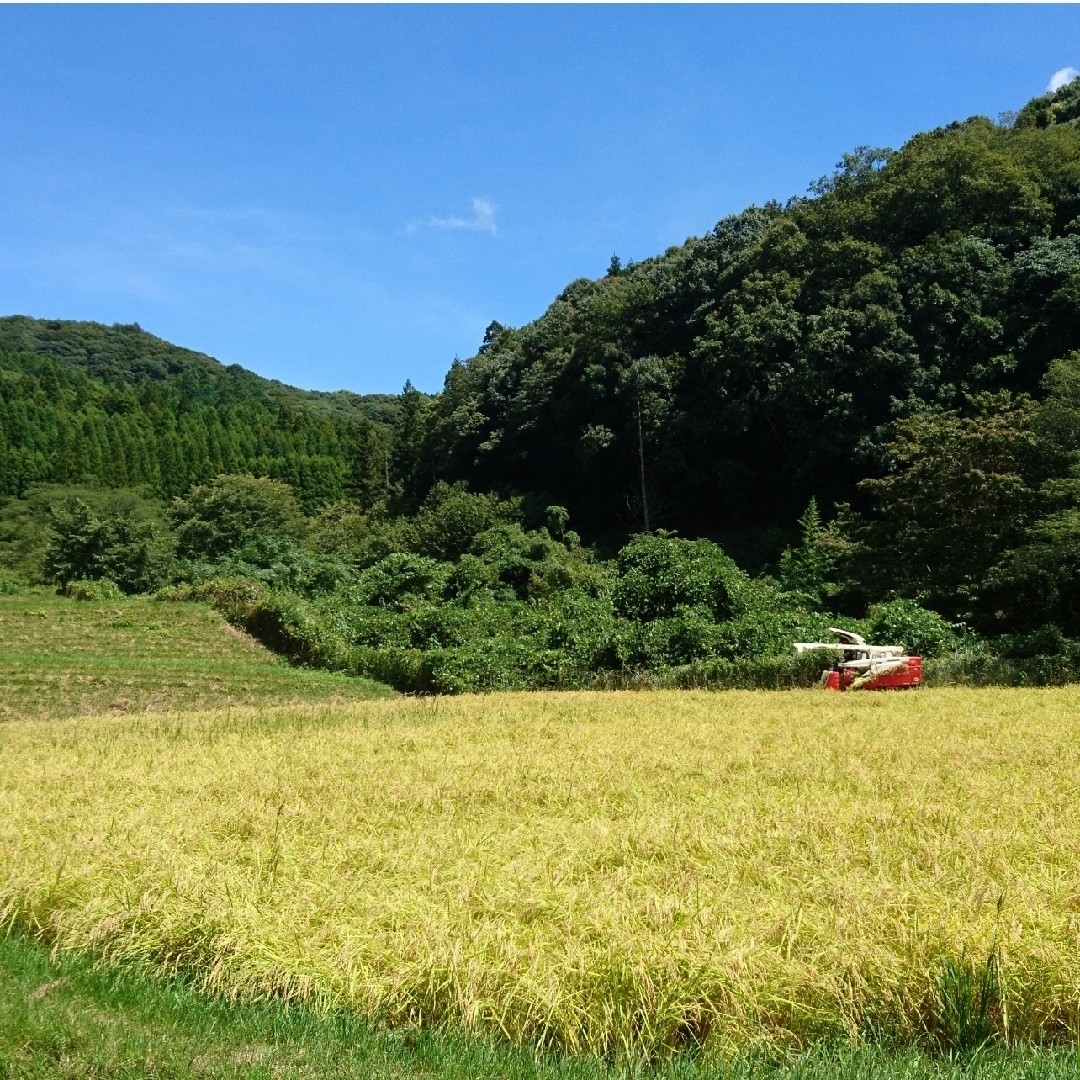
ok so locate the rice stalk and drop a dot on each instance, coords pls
(628, 875)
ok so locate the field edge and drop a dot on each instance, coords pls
(64, 1014)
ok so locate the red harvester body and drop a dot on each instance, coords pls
(866, 667)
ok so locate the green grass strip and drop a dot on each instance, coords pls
(69, 1018)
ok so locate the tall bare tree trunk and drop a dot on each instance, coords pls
(641, 462)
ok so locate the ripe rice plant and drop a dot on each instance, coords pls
(622, 874)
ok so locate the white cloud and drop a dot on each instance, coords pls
(1060, 78)
(482, 220)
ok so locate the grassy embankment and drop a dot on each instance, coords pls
(69, 1019)
(61, 657)
(623, 874)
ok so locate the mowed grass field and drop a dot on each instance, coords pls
(61, 657)
(623, 874)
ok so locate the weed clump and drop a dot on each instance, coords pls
(100, 589)
(967, 1005)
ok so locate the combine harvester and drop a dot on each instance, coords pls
(866, 667)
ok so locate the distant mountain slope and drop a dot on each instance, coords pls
(713, 389)
(116, 406)
(129, 353)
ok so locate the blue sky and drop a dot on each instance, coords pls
(347, 196)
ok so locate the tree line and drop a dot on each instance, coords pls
(63, 422)
(867, 397)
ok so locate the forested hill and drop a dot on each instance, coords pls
(128, 353)
(902, 346)
(725, 382)
(116, 406)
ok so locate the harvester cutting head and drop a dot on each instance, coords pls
(860, 666)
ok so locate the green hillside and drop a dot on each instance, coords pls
(127, 354)
(115, 406)
(861, 405)
(771, 360)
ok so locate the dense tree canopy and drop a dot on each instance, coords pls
(786, 344)
(862, 404)
(119, 408)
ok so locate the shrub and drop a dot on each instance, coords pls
(408, 670)
(981, 667)
(451, 518)
(280, 563)
(770, 629)
(12, 585)
(401, 577)
(750, 673)
(903, 622)
(235, 598)
(470, 578)
(556, 520)
(517, 559)
(230, 511)
(116, 544)
(1047, 641)
(658, 575)
(96, 589)
(691, 634)
(287, 624)
(361, 539)
(807, 570)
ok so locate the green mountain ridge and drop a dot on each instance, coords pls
(717, 387)
(725, 382)
(128, 353)
(116, 407)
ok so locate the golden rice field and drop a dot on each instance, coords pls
(611, 872)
